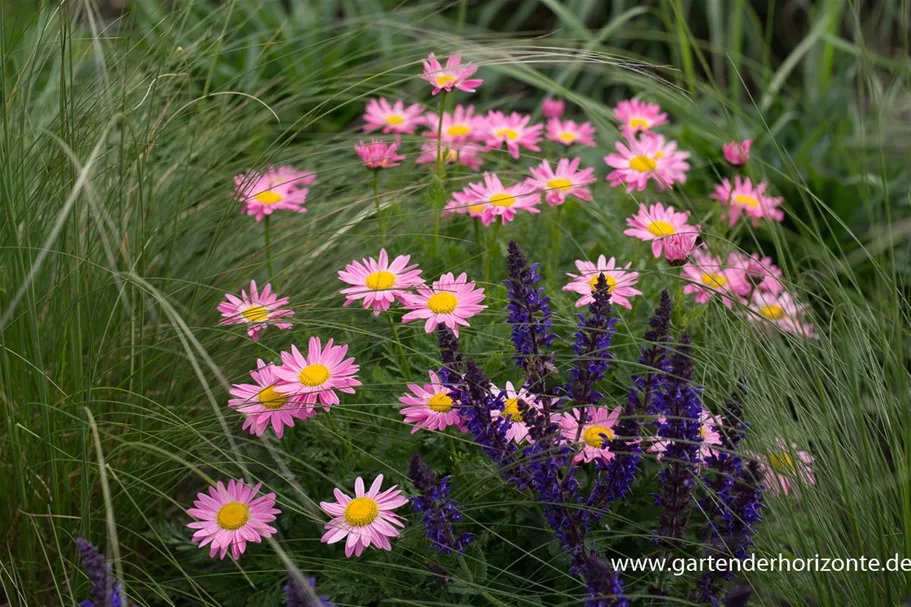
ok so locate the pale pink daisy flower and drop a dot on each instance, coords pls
(514, 131)
(449, 301)
(377, 282)
(708, 432)
(656, 222)
(708, 276)
(646, 158)
(318, 375)
(566, 181)
(743, 197)
(461, 125)
(620, 282)
(782, 310)
(568, 132)
(453, 152)
(430, 406)
(518, 429)
(229, 517)
(679, 247)
(762, 271)
(262, 405)
(786, 468)
(366, 520)
(392, 118)
(593, 434)
(637, 116)
(737, 153)
(491, 199)
(453, 76)
(378, 154)
(553, 108)
(256, 310)
(277, 189)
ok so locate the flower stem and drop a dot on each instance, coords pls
(268, 248)
(376, 200)
(558, 236)
(491, 246)
(441, 168)
(404, 367)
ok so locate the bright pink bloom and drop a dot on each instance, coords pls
(317, 376)
(464, 153)
(656, 222)
(450, 301)
(708, 432)
(761, 270)
(781, 310)
(737, 153)
(378, 154)
(453, 76)
(430, 406)
(566, 181)
(637, 116)
(366, 520)
(647, 157)
(593, 434)
(679, 247)
(392, 118)
(568, 132)
(257, 311)
(553, 108)
(707, 276)
(786, 468)
(491, 199)
(513, 130)
(280, 189)
(620, 282)
(377, 282)
(229, 517)
(262, 405)
(744, 198)
(461, 125)
(518, 429)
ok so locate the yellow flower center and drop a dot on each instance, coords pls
(268, 197)
(445, 79)
(314, 375)
(442, 303)
(661, 228)
(458, 130)
(272, 399)
(256, 313)
(643, 164)
(610, 280)
(782, 462)
(440, 402)
(567, 137)
(361, 511)
(508, 133)
(476, 208)
(395, 119)
(560, 183)
(511, 409)
(714, 280)
(772, 312)
(502, 200)
(380, 281)
(746, 201)
(594, 436)
(638, 123)
(702, 431)
(233, 516)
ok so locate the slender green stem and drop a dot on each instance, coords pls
(268, 248)
(736, 48)
(470, 579)
(463, 11)
(558, 236)
(404, 367)
(379, 211)
(491, 247)
(441, 167)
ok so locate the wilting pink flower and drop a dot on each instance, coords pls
(430, 406)
(593, 435)
(449, 301)
(461, 125)
(679, 247)
(229, 517)
(464, 153)
(637, 116)
(781, 310)
(656, 222)
(513, 130)
(566, 181)
(453, 76)
(553, 108)
(708, 432)
(647, 157)
(761, 270)
(744, 198)
(262, 405)
(737, 153)
(256, 310)
(378, 154)
(568, 132)
(620, 282)
(786, 468)
(318, 375)
(377, 282)
(279, 189)
(708, 276)
(392, 118)
(491, 199)
(518, 429)
(366, 520)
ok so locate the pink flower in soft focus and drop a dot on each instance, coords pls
(281, 189)
(377, 282)
(262, 405)
(553, 108)
(656, 222)
(453, 76)
(466, 154)
(593, 434)
(647, 157)
(566, 181)
(786, 468)
(366, 520)
(378, 154)
(744, 198)
(707, 276)
(392, 118)
(491, 199)
(737, 153)
(679, 247)
(568, 132)
(257, 310)
(450, 301)
(229, 517)
(461, 125)
(781, 310)
(518, 429)
(317, 376)
(761, 270)
(430, 406)
(513, 130)
(637, 116)
(708, 432)
(620, 282)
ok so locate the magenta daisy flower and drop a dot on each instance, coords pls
(461, 125)
(453, 76)
(378, 154)
(453, 152)
(518, 429)
(786, 468)
(566, 181)
(262, 405)
(450, 301)
(637, 116)
(278, 189)
(392, 117)
(430, 406)
(620, 282)
(761, 271)
(366, 520)
(256, 310)
(679, 247)
(646, 158)
(553, 108)
(377, 282)
(568, 132)
(708, 276)
(708, 432)
(782, 310)
(656, 222)
(592, 435)
(737, 153)
(512, 130)
(744, 198)
(229, 517)
(491, 199)
(317, 376)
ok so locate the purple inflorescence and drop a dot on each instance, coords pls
(438, 511)
(106, 590)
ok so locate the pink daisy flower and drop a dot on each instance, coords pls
(566, 181)
(513, 130)
(262, 405)
(620, 282)
(737, 153)
(491, 199)
(257, 310)
(568, 132)
(679, 247)
(708, 276)
(637, 116)
(708, 432)
(366, 520)
(786, 468)
(461, 125)
(656, 222)
(430, 406)
(229, 517)
(453, 152)
(553, 108)
(280, 189)
(781, 310)
(317, 376)
(593, 434)
(518, 429)
(761, 270)
(744, 198)
(392, 118)
(377, 282)
(450, 301)
(378, 154)
(453, 76)
(646, 158)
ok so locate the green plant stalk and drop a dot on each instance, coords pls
(379, 211)
(686, 52)
(491, 248)
(404, 367)
(268, 232)
(735, 49)
(441, 166)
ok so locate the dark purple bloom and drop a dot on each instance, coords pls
(593, 340)
(476, 401)
(449, 355)
(439, 511)
(106, 590)
(296, 595)
(605, 589)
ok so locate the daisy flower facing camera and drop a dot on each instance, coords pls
(230, 516)
(708, 276)
(318, 375)
(256, 310)
(656, 222)
(365, 520)
(378, 283)
(453, 76)
(430, 406)
(262, 404)
(593, 435)
(518, 429)
(567, 180)
(620, 282)
(648, 157)
(491, 199)
(513, 131)
(637, 116)
(742, 197)
(392, 118)
(450, 301)
(278, 189)
(568, 132)
(786, 468)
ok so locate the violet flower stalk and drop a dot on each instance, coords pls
(106, 590)
(605, 589)
(438, 510)
(593, 340)
(298, 596)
